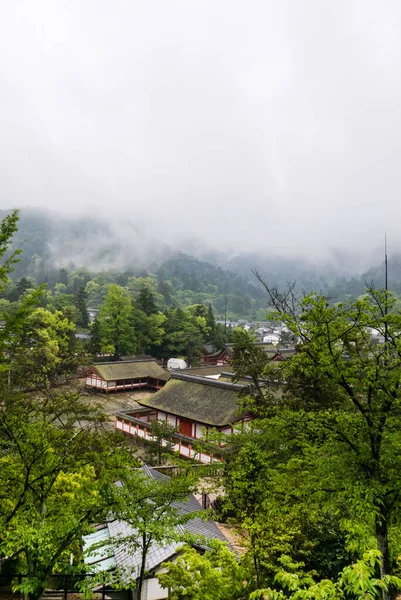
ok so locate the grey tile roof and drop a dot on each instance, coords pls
(207, 529)
(129, 559)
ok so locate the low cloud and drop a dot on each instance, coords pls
(261, 126)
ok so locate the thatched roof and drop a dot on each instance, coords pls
(133, 369)
(207, 401)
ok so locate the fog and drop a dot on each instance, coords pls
(272, 125)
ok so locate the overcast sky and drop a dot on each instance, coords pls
(254, 123)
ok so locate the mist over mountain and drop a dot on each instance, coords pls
(51, 241)
(54, 240)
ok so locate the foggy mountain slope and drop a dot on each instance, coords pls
(49, 240)
(187, 272)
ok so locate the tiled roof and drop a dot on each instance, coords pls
(129, 559)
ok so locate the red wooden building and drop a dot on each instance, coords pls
(211, 357)
(194, 404)
(127, 375)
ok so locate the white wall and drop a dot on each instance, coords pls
(200, 430)
(153, 590)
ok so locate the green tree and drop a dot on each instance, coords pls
(185, 333)
(76, 279)
(214, 575)
(357, 581)
(8, 227)
(277, 516)
(20, 288)
(42, 351)
(115, 319)
(94, 291)
(249, 360)
(146, 300)
(287, 339)
(210, 319)
(80, 303)
(56, 476)
(162, 443)
(342, 415)
(148, 328)
(60, 289)
(166, 289)
(95, 343)
(149, 506)
(56, 479)
(63, 277)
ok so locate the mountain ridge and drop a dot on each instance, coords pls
(50, 240)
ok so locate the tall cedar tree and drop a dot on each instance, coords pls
(146, 300)
(116, 322)
(95, 343)
(80, 303)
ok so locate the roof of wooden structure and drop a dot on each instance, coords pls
(271, 350)
(108, 556)
(198, 398)
(131, 369)
(206, 370)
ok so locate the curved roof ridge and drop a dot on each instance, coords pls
(131, 360)
(206, 381)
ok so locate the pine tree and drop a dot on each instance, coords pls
(210, 319)
(95, 344)
(80, 303)
(63, 276)
(146, 300)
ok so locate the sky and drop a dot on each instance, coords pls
(270, 125)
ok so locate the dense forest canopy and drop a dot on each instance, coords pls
(102, 251)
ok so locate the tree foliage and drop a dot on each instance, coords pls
(115, 319)
(327, 436)
(214, 575)
(149, 506)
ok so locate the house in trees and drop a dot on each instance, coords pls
(194, 404)
(107, 557)
(137, 373)
(211, 357)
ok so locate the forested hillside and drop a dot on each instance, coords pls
(74, 251)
